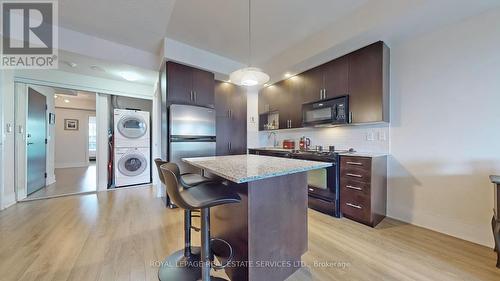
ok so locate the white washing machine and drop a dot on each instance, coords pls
(131, 128)
(132, 166)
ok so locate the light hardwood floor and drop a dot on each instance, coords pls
(119, 235)
(69, 181)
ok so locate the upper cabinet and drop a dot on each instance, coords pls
(231, 111)
(369, 84)
(189, 85)
(363, 75)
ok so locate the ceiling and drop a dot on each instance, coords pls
(85, 65)
(221, 26)
(287, 35)
(137, 23)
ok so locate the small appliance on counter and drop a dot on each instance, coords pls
(289, 144)
(304, 143)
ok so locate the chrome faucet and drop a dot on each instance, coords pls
(275, 141)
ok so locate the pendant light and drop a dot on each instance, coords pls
(249, 76)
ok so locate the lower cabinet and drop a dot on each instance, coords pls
(231, 112)
(363, 188)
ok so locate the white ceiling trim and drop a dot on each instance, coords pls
(63, 79)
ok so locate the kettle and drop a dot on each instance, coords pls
(304, 143)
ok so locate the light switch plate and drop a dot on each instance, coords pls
(8, 128)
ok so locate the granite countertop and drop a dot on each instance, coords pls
(495, 179)
(342, 153)
(248, 167)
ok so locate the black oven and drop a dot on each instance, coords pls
(333, 111)
(323, 184)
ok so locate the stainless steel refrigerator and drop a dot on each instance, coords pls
(191, 134)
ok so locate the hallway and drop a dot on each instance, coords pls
(69, 181)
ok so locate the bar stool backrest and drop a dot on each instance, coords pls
(158, 163)
(171, 175)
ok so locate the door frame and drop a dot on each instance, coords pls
(20, 145)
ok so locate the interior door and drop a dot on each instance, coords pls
(36, 140)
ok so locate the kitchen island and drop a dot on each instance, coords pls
(268, 229)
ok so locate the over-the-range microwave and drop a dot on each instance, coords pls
(333, 111)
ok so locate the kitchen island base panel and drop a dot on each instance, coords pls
(267, 230)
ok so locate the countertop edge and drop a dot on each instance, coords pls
(256, 178)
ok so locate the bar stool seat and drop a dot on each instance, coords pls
(202, 196)
(209, 195)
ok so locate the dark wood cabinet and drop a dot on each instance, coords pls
(369, 84)
(313, 84)
(336, 78)
(231, 111)
(189, 85)
(363, 188)
(363, 75)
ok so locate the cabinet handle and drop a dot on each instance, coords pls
(354, 187)
(321, 94)
(354, 175)
(354, 163)
(195, 96)
(310, 189)
(191, 95)
(353, 205)
(324, 93)
(229, 146)
(350, 117)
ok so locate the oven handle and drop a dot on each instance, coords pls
(354, 175)
(354, 163)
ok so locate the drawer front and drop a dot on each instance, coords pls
(355, 206)
(356, 168)
(348, 185)
(356, 162)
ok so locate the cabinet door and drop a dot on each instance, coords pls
(222, 98)
(223, 135)
(238, 122)
(203, 87)
(337, 77)
(294, 90)
(282, 103)
(179, 83)
(313, 81)
(366, 87)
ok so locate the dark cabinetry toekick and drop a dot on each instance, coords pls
(189, 85)
(231, 110)
(363, 188)
(363, 75)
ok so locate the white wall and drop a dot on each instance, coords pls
(445, 128)
(7, 191)
(72, 146)
(103, 112)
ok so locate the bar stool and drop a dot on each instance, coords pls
(186, 180)
(203, 196)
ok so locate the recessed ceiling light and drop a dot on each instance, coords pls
(288, 74)
(130, 76)
(97, 68)
(265, 85)
(71, 64)
(66, 100)
(56, 96)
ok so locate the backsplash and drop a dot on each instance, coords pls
(363, 138)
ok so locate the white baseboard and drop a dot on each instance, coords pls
(51, 179)
(71, 165)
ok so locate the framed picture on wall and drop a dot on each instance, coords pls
(71, 124)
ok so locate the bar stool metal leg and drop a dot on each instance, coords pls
(205, 244)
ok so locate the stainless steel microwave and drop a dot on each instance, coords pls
(333, 111)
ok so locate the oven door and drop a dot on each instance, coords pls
(322, 182)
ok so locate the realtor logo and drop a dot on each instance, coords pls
(29, 35)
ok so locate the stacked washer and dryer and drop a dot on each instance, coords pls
(132, 147)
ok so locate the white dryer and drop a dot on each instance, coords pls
(132, 166)
(131, 128)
